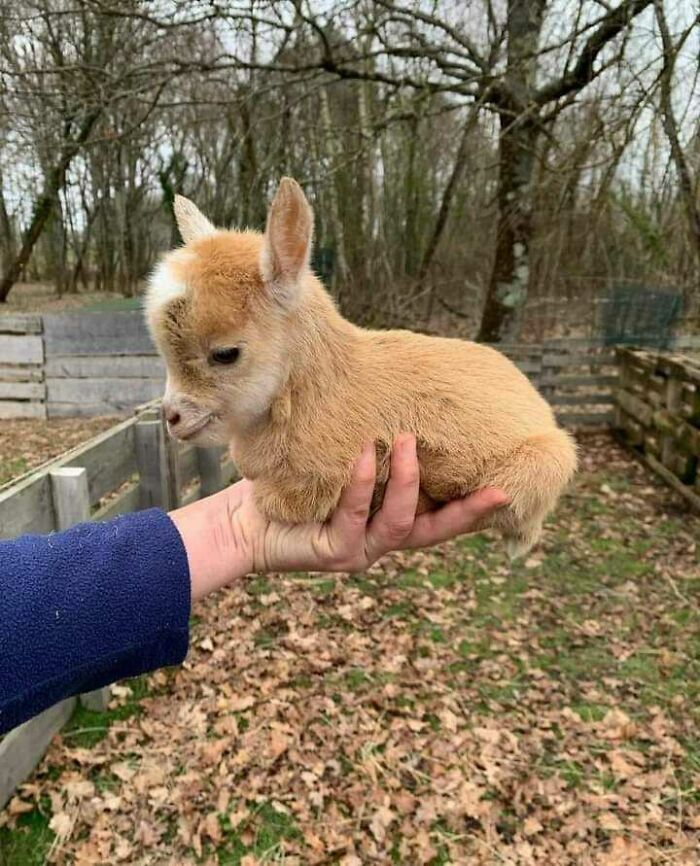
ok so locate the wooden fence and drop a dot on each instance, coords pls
(102, 363)
(658, 415)
(61, 364)
(133, 465)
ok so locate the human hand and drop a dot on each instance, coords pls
(227, 537)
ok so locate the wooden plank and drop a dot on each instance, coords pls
(581, 399)
(189, 468)
(21, 349)
(516, 349)
(652, 444)
(174, 475)
(21, 373)
(98, 333)
(108, 458)
(592, 380)
(688, 341)
(22, 390)
(635, 407)
(126, 501)
(86, 410)
(27, 507)
(585, 419)
(21, 409)
(684, 489)
(115, 395)
(152, 462)
(686, 436)
(209, 466)
(106, 367)
(605, 359)
(632, 430)
(20, 324)
(23, 748)
(71, 499)
(577, 343)
(71, 502)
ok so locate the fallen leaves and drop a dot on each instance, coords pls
(27, 443)
(442, 709)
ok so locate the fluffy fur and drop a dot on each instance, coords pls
(309, 388)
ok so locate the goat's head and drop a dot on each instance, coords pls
(221, 311)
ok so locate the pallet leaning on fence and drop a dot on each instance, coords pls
(658, 415)
(132, 466)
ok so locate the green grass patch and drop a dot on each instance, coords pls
(29, 843)
(115, 304)
(271, 829)
(12, 468)
(87, 727)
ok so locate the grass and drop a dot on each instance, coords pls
(272, 828)
(12, 467)
(114, 304)
(87, 727)
(29, 843)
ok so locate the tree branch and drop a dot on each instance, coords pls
(583, 71)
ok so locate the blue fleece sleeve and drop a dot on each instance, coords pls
(83, 608)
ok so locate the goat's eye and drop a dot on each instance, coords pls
(224, 356)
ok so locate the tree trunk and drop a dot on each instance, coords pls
(367, 194)
(53, 184)
(252, 205)
(685, 179)
(448, 194)
(7, 231)
(510, 273)
(341, 270)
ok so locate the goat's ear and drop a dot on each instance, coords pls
(190, 220)
(287, 242)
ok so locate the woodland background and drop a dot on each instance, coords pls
(490, 167)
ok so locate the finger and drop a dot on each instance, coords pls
(394, 520)
(347, 525)
(455, 518)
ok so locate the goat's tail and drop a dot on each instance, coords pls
(534, 476)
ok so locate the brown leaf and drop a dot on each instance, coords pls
(62, 824)
(609, 821)
(531, 826)
(380, 822)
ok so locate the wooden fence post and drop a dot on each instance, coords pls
(174, 475)
(209, 466)
(23, 748)
(71, 502)
(153, 465)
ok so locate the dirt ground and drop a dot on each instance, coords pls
(445, 708)
(42, 298)
(27, 443)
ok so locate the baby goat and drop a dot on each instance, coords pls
(260, 359)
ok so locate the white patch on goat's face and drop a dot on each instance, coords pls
(254, 399)
(163, 286)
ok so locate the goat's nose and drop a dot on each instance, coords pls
(172, 416)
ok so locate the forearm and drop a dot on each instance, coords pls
(219, 540)
(85, 607)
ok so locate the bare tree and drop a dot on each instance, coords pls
(686, 182)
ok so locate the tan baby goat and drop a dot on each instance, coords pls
(260, 359)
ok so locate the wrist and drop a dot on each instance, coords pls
(218, 548)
